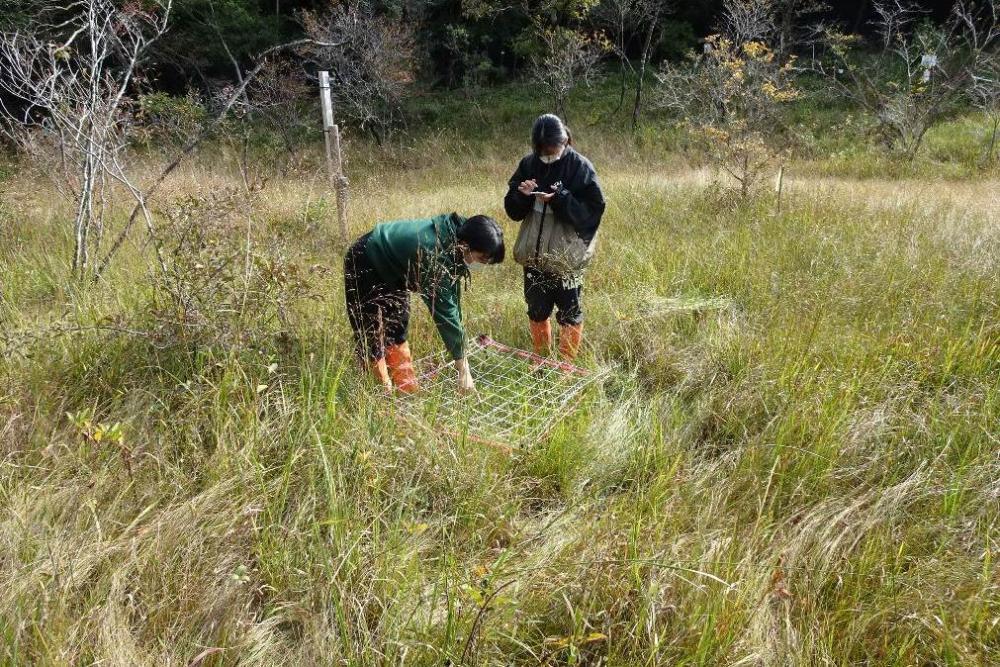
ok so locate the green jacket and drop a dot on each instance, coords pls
(419, 255)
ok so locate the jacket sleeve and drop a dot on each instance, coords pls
(581, 202)
(444, 301)
(516, 204)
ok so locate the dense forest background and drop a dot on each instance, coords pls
(485, 41)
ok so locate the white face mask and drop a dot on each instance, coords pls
(475, 267)
(549, 159)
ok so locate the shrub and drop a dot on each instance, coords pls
(165, 118)
(731, 98)
(924, 74)
(221, 287)
(569, 58)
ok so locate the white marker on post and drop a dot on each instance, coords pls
(929, 61)
(334, 158)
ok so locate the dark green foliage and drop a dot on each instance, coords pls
(17, 13)
(207, 35)
(463, 43)
(676, 39)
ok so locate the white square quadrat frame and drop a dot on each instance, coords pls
(520, 396)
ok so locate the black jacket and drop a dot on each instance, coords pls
(578, 201)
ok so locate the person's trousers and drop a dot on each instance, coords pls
(379, 314)
(545, 291)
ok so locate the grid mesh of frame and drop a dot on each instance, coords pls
(520, 396)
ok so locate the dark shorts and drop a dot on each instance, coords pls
(379, 314)
(544, 291)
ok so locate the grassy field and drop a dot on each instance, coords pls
(793, 459)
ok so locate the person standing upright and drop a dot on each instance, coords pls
(555, 195)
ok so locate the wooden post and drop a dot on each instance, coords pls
(779, 185)
(334, 158)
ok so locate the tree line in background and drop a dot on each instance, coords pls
(84, 81)
(462, 41)
(396, 46)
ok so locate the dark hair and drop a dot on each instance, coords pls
(549, 130)
(482, 234)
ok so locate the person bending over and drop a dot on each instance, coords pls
(555, 195)
(429, 256)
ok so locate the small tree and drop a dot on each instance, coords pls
(789, 20)
(650, 13)
(620, 19)
(624, 20)
(371, 67)
(74, 74)
(731, 96)
(568, 59)
(924, 73)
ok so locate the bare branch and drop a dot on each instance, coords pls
(731, 95)
(74, 80)
(370, 59)
(569, 59)
(926, 71)
(143, 199)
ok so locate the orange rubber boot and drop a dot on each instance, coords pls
(570, 338)
(381, 373)
(401, 367)
(541, 337)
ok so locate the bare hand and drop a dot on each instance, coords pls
(465, 383)
(527, 187)
(545, 199)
